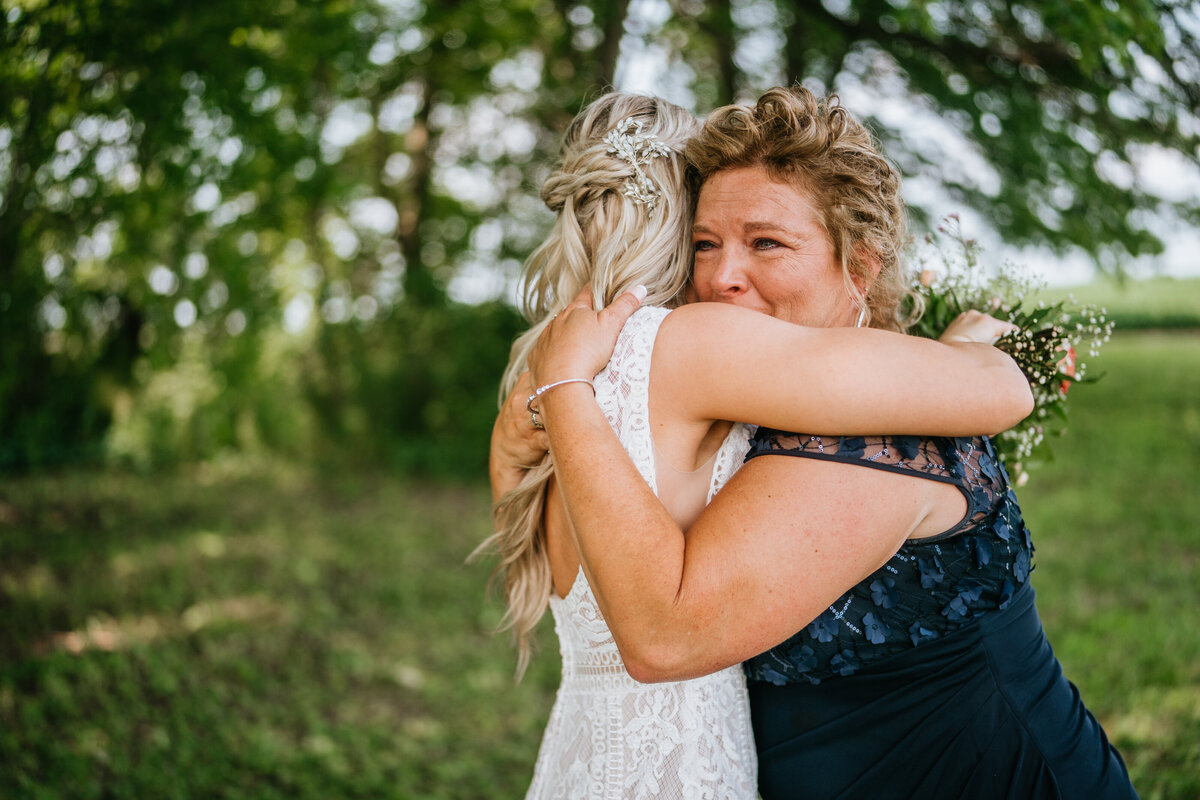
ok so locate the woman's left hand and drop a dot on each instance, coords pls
(516, 444)
(975, 326)
(579, 341)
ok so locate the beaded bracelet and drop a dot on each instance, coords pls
(543, 389)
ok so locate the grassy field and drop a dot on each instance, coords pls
(245, 630)
(1162, 302)
(1116, 520)
(254, 633)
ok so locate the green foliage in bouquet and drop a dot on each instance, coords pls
(1047, 344)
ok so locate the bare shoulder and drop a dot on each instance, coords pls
(703, 318)
(701, 331)
(686, 343)
(838, 502)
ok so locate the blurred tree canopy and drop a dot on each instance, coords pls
(293, 224)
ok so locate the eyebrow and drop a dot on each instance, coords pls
(750, 227)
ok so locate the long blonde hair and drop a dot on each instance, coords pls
(607, 239)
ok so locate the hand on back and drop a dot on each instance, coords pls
(579, 341)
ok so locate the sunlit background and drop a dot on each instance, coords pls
(259, 274)
(229, 228)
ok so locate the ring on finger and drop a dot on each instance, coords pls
(536, 420)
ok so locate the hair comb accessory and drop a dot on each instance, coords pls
(627, 142)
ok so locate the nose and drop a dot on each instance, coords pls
(728, 278)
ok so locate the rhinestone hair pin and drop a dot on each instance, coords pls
(627, 142)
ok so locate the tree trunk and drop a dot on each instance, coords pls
(613, 25)
(420, 287)
(719, 24)
(793, 50)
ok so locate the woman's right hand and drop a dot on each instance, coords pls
(975, 326)
(579, 341)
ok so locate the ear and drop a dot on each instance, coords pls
(868, 258)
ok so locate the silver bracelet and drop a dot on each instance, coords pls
(543, 389)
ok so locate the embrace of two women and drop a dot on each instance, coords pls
(781, 554)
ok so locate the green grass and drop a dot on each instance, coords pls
(1116, 520)
(259, 634)
(1162, 302)
(263, 631)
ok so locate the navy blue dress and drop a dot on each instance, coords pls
(932, 677)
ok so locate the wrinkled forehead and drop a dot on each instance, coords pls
(791, 175)
(743, 187)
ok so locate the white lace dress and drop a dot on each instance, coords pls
(610, 737)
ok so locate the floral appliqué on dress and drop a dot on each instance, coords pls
(931, 586)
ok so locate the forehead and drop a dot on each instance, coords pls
(750, 197)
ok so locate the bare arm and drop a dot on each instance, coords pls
(780, 542)
(726, 363)
(723, 362)
(786, 536)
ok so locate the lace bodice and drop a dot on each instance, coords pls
(932, 586)
(609, 736)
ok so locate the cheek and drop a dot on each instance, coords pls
(785, 288)
(700, 286)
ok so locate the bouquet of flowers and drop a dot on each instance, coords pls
(1048, 345)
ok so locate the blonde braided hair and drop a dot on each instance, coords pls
(610, 237)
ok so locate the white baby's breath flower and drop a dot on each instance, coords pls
(1042, 346)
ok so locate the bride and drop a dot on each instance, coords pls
(623, 233)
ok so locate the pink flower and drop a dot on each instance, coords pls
(927, 277)
(1066, 365)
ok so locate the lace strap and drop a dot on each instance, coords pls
(924, 456)
(623, 388)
